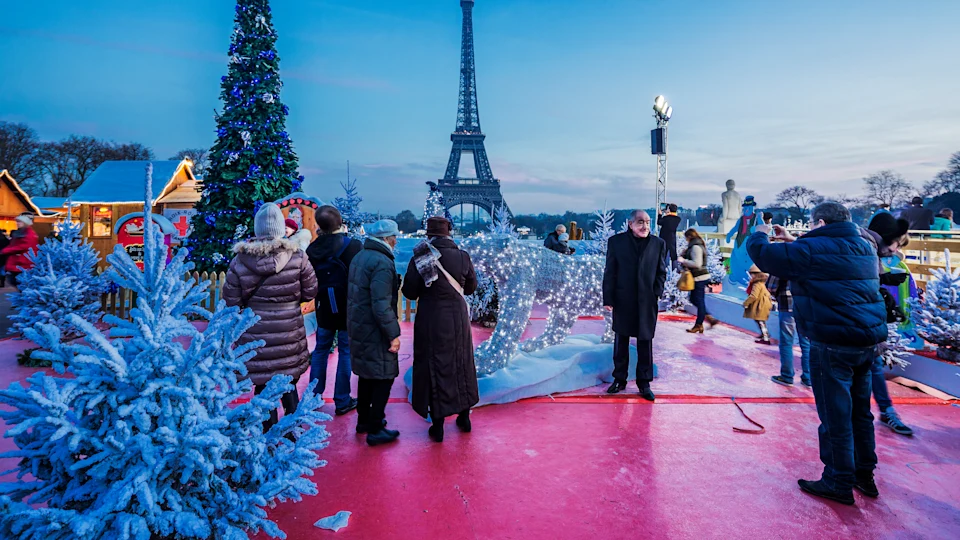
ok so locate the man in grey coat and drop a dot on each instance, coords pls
(374, 329)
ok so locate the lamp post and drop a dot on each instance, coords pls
(662, 111)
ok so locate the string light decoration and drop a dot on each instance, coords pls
(525, 274)
(253, 159)
(435, 205)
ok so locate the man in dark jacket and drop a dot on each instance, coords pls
(835, 283)
(552, 241)
(920, 218)
(331, 254)
(668, 224)
(633, 281)
(374, 330)
(444, 373)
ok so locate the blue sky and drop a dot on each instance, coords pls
(772, 94)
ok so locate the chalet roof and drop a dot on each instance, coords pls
(121, 182)
(22, 195)
(44, 203)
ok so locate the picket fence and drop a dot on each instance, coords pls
(120, 301)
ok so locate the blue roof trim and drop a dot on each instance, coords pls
(122, 182)
(166, 227)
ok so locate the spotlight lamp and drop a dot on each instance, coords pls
(662, 109)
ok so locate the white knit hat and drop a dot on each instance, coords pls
(269, 222)
(26, 219)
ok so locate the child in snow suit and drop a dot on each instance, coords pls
(758, 304)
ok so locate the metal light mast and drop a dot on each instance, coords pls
(662, 111)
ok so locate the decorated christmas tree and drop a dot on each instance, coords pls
(937, 315)
(349, 207)
(434, 205)
(673, 299)
(63, 281)
(140, 439)
(602, 231)
(252, 161)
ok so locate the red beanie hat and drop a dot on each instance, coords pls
(292, 224)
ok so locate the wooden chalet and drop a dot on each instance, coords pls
(14, 201)
(115, 189)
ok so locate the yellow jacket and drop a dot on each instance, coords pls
(757, 306)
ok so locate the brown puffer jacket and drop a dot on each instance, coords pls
(287, 280)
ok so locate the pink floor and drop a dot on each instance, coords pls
(584, 465)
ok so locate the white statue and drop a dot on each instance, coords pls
(731, 208)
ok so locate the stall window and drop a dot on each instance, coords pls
(101, 221)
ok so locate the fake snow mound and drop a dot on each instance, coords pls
(581, 361)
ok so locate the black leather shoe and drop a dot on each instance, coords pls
(436, 432)
(382, 437)
(350, 406)
(362, 428)
(463, 422)
(617, 387)
(647, 394)
(867, 486)
(817, 488)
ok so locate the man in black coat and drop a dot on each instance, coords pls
(331, 254)
(920, 218)
(669, 223)
(633, 282)
(552, 241)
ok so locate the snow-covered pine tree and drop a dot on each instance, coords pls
(349, 207)
(715, 262)
(483, 302)
(252, 160)
(501, 223)
(63, 281)
(894, 351)
(602, 231)
(140, 440)
(937, 316)
(673, 299)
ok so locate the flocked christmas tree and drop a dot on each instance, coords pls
(349, 207)
(894, 352)
(715, 262)
(937, 316)
(63, 281)
(140, 439)
(252, 161)
(501, 223)
(673, 299)
(602, 231)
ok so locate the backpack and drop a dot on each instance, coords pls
(332, 280)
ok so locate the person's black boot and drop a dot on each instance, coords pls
(820, 490)
(647, 394)
(463, 422)
(362, 428)
(351, 405)
(617, 387)
(436, 431)
(382, 437)
(867, 486)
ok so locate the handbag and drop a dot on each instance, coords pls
(685, 282)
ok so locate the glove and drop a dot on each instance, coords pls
(889, 278)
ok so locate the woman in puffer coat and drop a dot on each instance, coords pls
(272, 276)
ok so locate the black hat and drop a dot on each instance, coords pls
(888, 227)
(439, 226)
(917, 201)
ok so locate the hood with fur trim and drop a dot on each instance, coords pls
(302, 238)
(265, 255)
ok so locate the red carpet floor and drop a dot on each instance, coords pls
(582, 465)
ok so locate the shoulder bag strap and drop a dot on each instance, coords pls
(245, 299)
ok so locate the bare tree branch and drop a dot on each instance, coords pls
(799, 197)
(887, 187)
(200, 158)
(18, 155)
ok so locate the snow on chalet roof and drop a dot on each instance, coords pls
(122, 182)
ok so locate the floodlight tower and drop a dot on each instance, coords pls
(662, 111)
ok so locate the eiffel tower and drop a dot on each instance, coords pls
(484, 190)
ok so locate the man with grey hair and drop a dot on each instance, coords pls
(552, 241)
(633, 282)
(835, 281)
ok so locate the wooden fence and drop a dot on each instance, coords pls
(119, 302)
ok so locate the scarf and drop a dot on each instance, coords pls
(426, 258)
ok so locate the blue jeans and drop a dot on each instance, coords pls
(698, 298)
(841, 388)
(318, 365)
(880, 392)
(788, 335)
